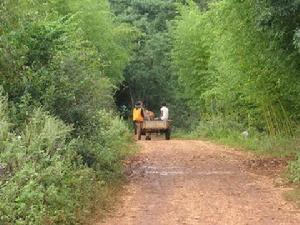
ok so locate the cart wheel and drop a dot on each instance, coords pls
(168, 134)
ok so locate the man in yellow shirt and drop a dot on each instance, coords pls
(138, 115)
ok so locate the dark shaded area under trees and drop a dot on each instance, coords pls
(149, 75)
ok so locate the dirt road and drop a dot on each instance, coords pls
(194, 182)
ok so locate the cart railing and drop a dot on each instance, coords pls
(156, 124)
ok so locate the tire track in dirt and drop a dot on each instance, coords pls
(183, 182)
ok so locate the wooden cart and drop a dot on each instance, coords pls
(154, 126)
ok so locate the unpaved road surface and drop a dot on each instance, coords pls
(194, 182)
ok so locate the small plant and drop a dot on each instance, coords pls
(295, 170)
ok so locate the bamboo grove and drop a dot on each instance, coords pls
(239, 60)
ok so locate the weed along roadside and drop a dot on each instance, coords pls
(60, 179)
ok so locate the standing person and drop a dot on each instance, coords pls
(164, 112)
(138, 115)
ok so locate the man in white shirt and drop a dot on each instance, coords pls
(164, 112)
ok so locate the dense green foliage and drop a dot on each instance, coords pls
(149, 76)
(61, 139)
(47, 180)
(52, 56)
(224, 66)
(238, 62)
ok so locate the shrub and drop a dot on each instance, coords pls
(40, 177)
(106, 144)
(46, 180)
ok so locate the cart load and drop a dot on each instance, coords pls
(147, 127)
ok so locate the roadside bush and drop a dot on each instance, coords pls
(46, 181)
(41, 183)
(295, 170)
(106, 144)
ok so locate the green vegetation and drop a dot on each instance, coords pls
(238, 62)
(228, 69)
(150, 75)
(61, 139)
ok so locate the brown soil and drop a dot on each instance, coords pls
(195, 182)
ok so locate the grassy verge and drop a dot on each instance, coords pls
(293, 195)
(260, 144)
(105, 199)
